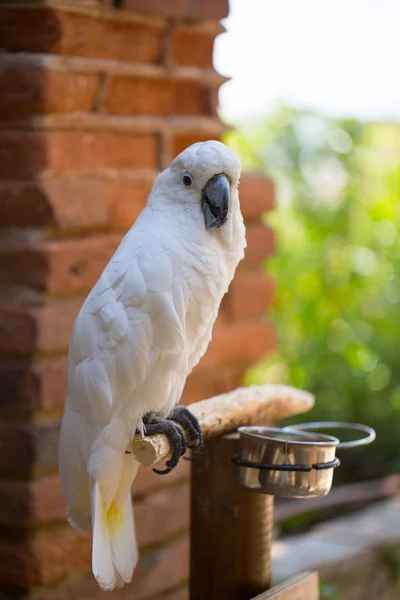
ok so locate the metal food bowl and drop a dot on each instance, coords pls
(292, 462)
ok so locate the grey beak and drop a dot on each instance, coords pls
(215, 201)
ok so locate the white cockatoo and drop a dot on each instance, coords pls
(142, 329)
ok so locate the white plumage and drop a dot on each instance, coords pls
(142, 329)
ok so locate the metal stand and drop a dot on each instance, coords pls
(231, 528)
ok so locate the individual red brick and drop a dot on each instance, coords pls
(192, 9)
(25, 153)
(33, 387)
(208, 9)
(56, 267)
(157, 7)
(73, 203)
(18, 330)
(127, 200)
(52, 377)
(260, 245)
(241, 343)
(135, 95)
(191, 98)
(21, 153)
(63, 203)
(44, 329)
(162, 515)
(76, 34)
(158, 571)
(146, 482)
(54, 324)
(18, 564)
(257, 195)
(28, 503)
(205, 384)
(27, 448)
(249, 295)
(47, 503)
(181, 594)
(182, 140)
(27, 90)
(192, 47)
(77, 265)
(44, 558)
(29, 265)
(162, 97)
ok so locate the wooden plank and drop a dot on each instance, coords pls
(304, 586)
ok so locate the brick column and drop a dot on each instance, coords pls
(94, 102)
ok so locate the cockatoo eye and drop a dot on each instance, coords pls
(187, 180)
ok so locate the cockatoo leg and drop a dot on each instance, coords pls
(180, 414)
(154, 425)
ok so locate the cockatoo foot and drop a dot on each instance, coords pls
(154, 425)
(180, 414)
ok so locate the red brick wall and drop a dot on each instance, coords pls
(94, 102)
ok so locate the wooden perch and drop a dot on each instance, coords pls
(255, 405)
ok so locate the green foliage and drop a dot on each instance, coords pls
(328, 591)
(390, 556)
(337, 269)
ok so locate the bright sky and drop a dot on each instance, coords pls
(339, 56)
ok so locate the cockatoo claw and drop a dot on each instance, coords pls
(180, 414)
(175, 436)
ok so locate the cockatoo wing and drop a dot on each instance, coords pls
(127, 356)
(132, 322)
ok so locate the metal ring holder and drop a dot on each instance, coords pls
(318, 425)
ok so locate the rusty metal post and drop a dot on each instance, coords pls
(231, 529)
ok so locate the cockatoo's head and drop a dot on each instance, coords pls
(203, 181)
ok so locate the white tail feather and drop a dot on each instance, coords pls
(102, 563)
(115, 552)
(123, 544)
(110, 472)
